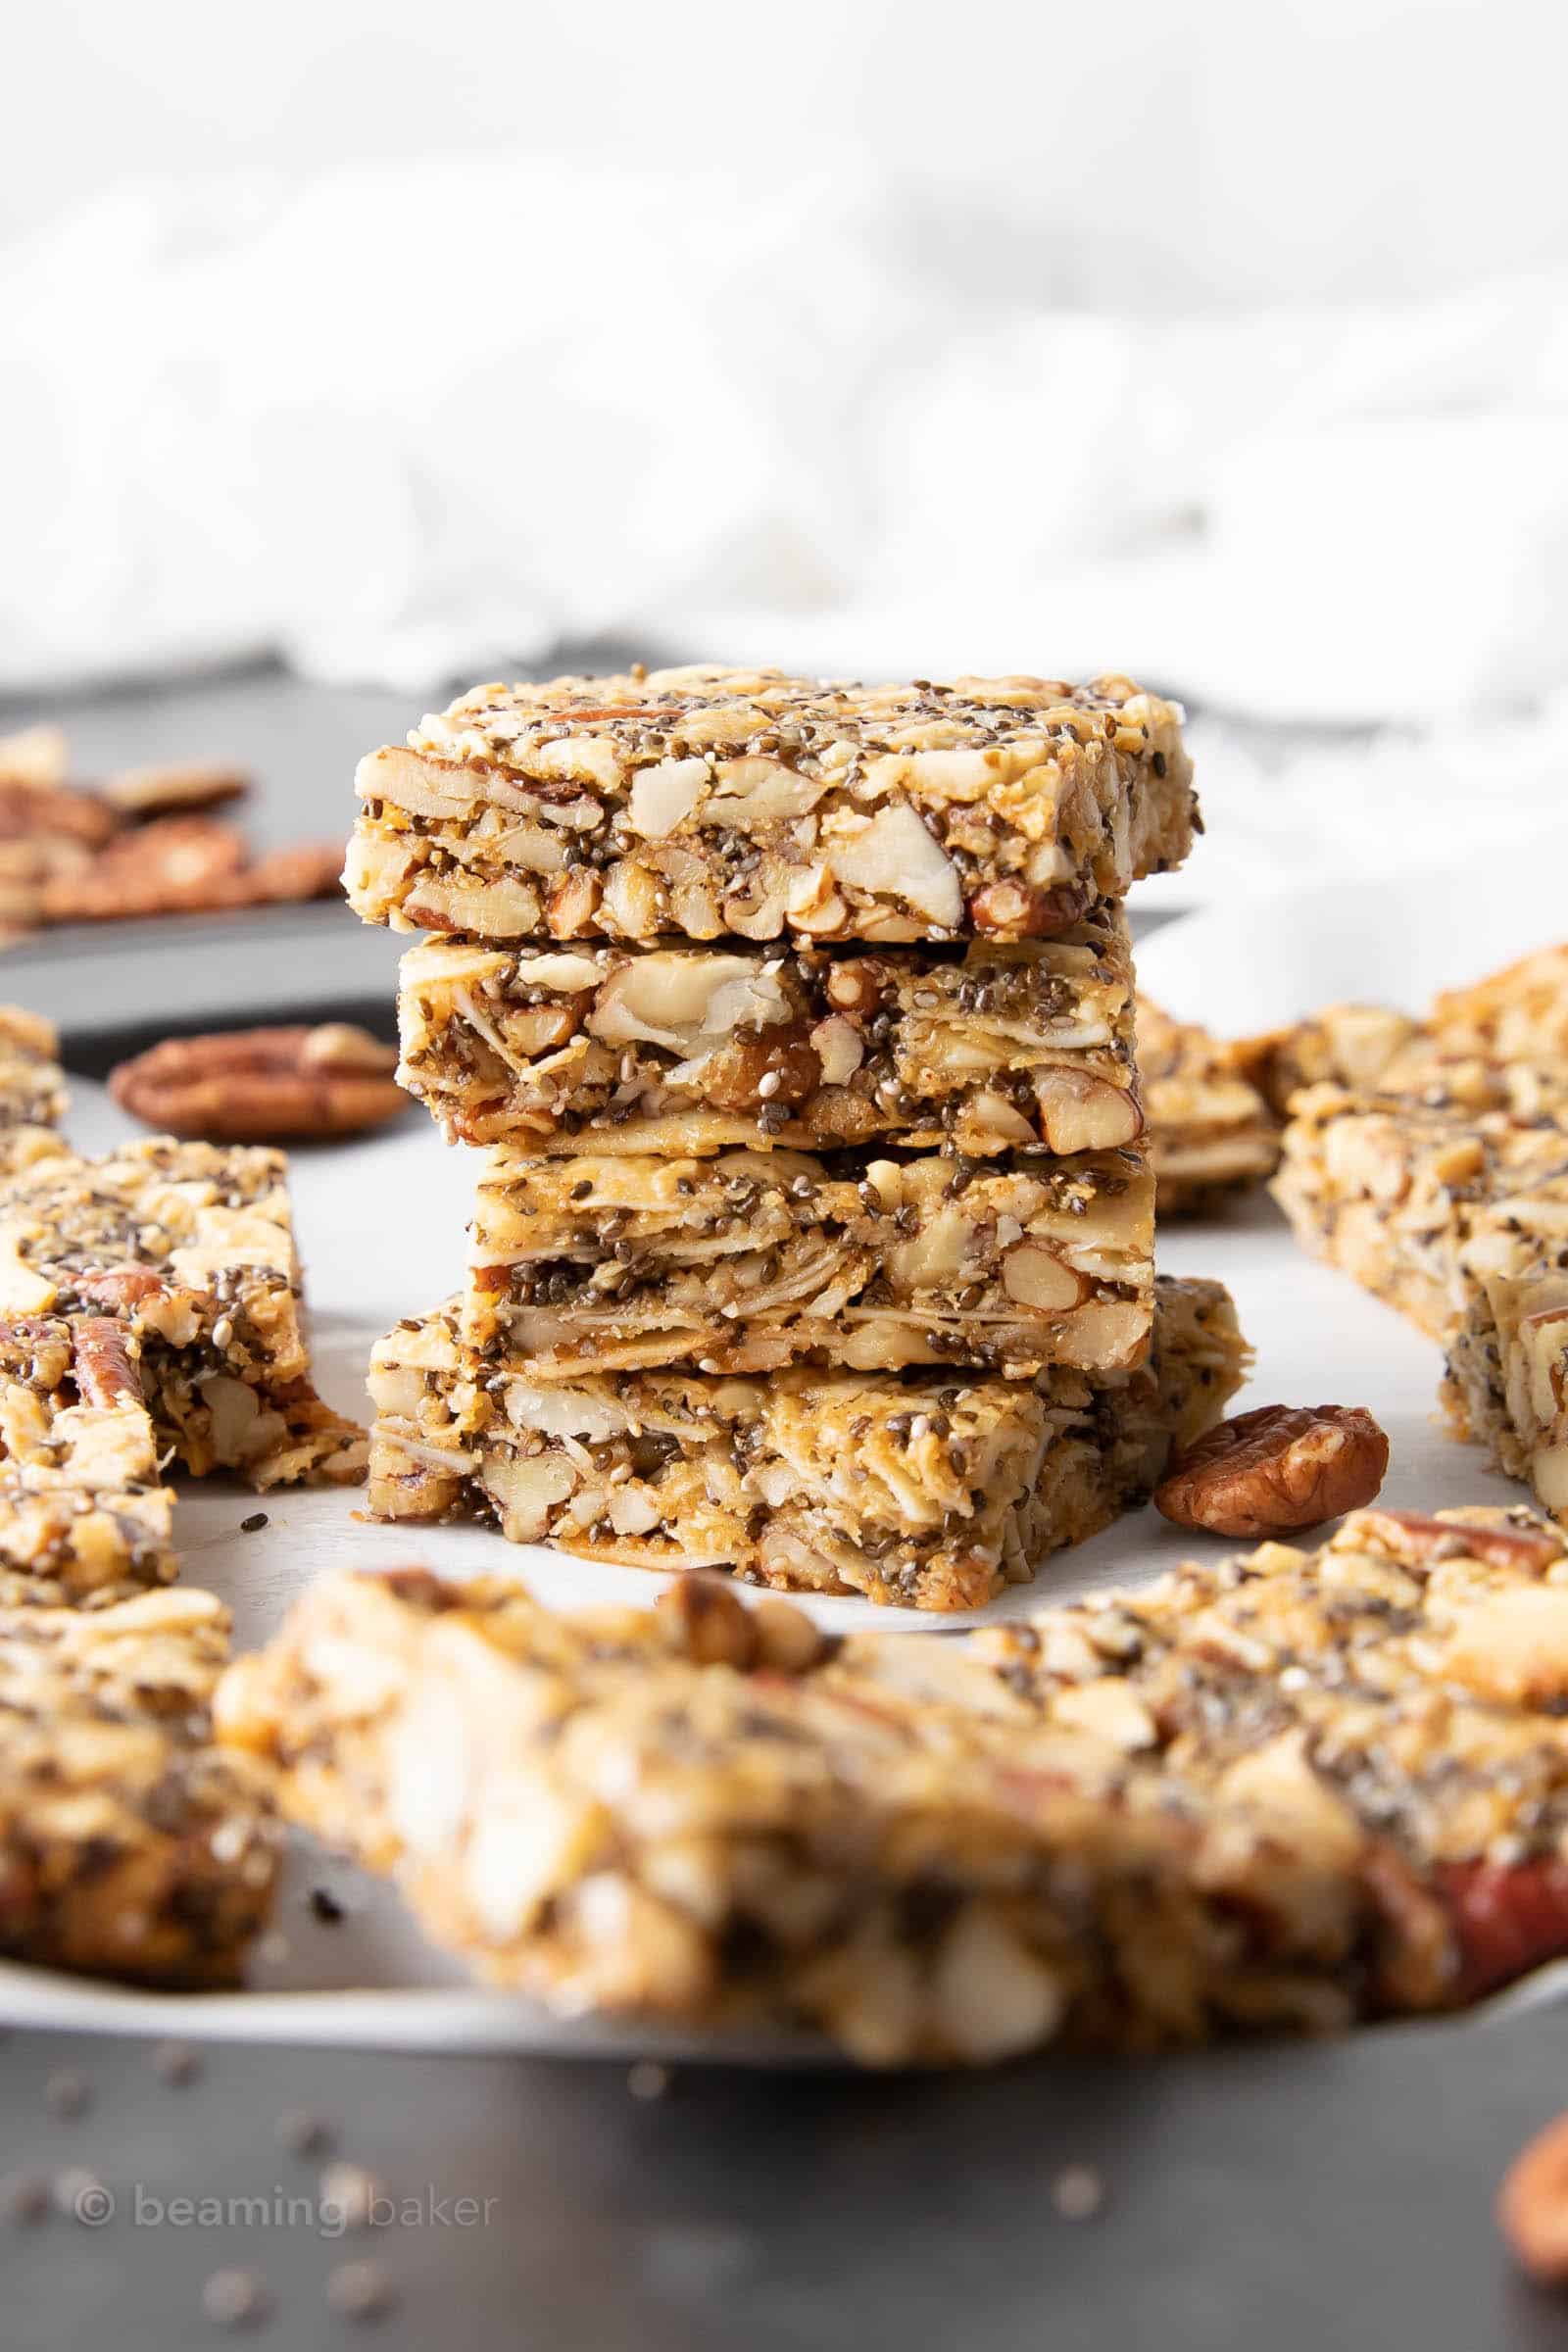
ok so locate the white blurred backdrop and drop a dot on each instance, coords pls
(1226, 343)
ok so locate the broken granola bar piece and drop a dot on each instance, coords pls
(32, 1089)
(705, 801)
(1506, 1379)
(984, 1048)
(755, 1259)
(190, 1247)
(84, 1515)
(130, 1845)
(1517, 1015)
(933, 1491)
(1210, 1132)
(1389, 1188)
(1279, 1792)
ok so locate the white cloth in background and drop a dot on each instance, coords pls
(405, 425)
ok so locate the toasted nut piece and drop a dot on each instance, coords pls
(1025, 910)
(245, 1085)
(104, 1361)
(1419, 1541)
(166, 790)
(1533, 2205)
(1281, 1467)
(703, 1619)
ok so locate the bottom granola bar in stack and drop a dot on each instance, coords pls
(1286, 1790)
(931, 1489)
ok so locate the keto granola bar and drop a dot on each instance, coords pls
(933, 1491)
(1210, 1131)
(982, 1049)
(130, 1845)
(32, 1089)
(191, 1247)
(754, 1259)
(1389, 1188)
(1506, 1379)
(1517, 1015)
(1282, 1792)
(707, 801)
(84, 1516)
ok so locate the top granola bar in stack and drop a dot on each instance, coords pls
(707, 801)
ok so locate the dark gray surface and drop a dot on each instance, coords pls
(1334, 2198)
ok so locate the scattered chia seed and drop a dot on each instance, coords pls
(303, 2134)
(68, 2095)
(250, 1526)
(236, 2299)
(176, 2062)
(359, 2291)
(24, 2197)
(1078, 2193)
(325, 1907)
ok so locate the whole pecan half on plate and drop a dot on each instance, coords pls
(1275, 1470)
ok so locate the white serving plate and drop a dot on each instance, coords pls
(381, 1231)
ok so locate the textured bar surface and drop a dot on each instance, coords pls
(130, 1845)
(1389, 1188)
(700, 801)
(1506, 1381)
(191, 1247)
(932, 1491)
(32, 1089)
(1279, 1792)
(85, 1517)
(982, 1048)
(755, 1259)
(1210, 1131)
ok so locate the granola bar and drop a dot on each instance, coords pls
(84, 1516)
(1506, 1378)
(32, 1089)
(705, 801)
(1390, 1189)
(191, 1247)
(130, 1845)
(981, 1048)
(933, 1491)
(1210, 1131)
(754, 1259)
(1517, 1015)
(1353, 1046)
(1285, 1791)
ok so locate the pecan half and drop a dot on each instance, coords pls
(1533, 2205)
(105, 1362)
(178, 789)
(171, 867)
(254, 1086)
(307, 869)
(29, 812)
(1276, 1469)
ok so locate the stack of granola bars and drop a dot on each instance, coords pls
(814, 1225)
